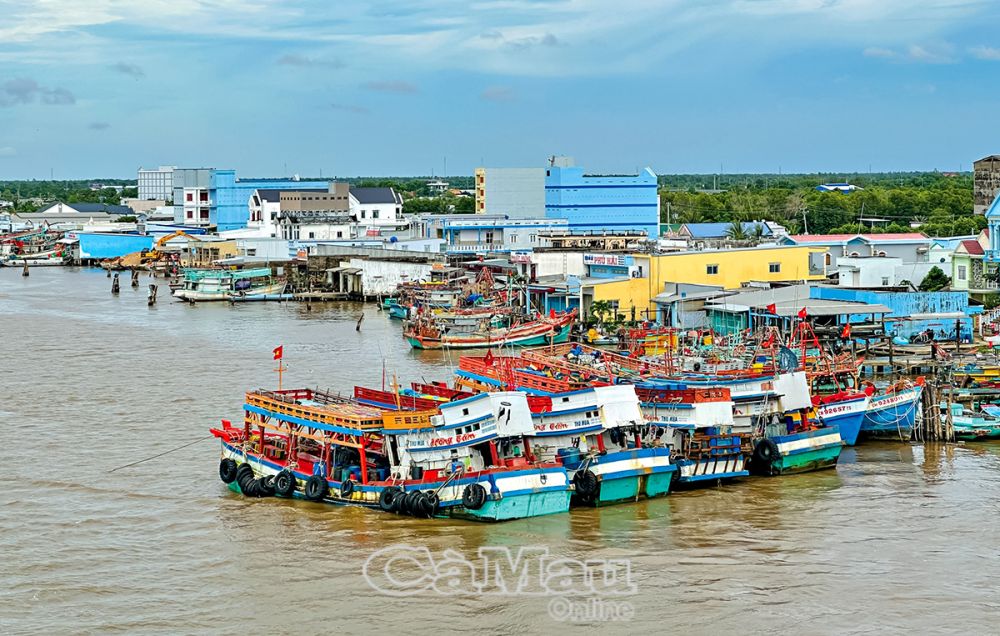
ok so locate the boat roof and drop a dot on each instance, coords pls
(199, 274)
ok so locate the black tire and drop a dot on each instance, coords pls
(765, 453)
(410, 502)
(474, 497)
(419, 506)
(675, 477)
(265, 486)
(387, 498)
(227, 470)
(246, 480)
(399, 502)
(586, 483)
(434, 501)
(285, 483)
(346, 488)
(316, 488)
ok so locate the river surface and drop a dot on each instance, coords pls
(899, 538)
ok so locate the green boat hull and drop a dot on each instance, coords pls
(629, 489)
(807, 462)
(534, 504)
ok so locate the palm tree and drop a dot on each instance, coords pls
(736, 232)
(757, 232)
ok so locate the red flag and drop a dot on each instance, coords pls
(803, 313)
(552, 313)
(279, 351)
(769, 342)
(846, 331)
(772, 308)
(488, 359)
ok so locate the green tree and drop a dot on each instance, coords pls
(935, 280)
(736, 232)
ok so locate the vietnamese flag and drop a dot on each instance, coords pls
(846, 331)
(772, 309)
(279, 351)
(488, 359)
(552, 313)
(803, 313)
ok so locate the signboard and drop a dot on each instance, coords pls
(614, 260)
(520, 257)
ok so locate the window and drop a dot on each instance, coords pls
(340, 234)
(189, 197)
(711, 270)
(374, 214)
(961, 272)
(774, 268)
(362, 214)
(465, 411)
(312, 235)
(885, 281)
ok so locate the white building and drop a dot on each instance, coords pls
(191, 195)
(518, 193)
(156, 184)
(377, 210)
(306, 225)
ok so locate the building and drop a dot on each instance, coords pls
(971, 270)
(591, 241)
(316, 214)
(58, 208)
(985, 182)
(843, 188)
(593, 202)
(376, 210)
(143, 206)
(518, 193)
(912, 247)
(156, 185)
(467, 234)
(229, 197)
(716, 232)
(437, 186)
(190, 194)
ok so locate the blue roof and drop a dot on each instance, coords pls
(719, 230)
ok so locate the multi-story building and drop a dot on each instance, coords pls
(315, 214)
(486, 234)
(192, 202)
(377, 210)
(518, 193)
(229, 197)
(986, 182)
(594, 202)
(156, 184)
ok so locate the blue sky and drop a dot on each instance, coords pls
(93, 88)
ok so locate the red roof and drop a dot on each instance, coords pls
(973, 246)
(835, 238)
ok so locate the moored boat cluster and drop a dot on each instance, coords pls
(562, 425)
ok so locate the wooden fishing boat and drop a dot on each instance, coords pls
(892, 412)
(468, 458)
(230, 285)
(971, 426)
(427, 333)
(597, 434)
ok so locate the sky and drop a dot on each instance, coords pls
(98, 88)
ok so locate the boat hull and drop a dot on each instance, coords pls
(642, 473)
(705, 471)
(847, 416)
(892, 416)
(803, 452)
(512, 494)
(529, 340)
(267, 292)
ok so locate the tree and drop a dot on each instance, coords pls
(935, 280)
(736, 232)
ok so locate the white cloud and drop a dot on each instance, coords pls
(939, 53)
(7, 151)
(985, 53)
(874, 51)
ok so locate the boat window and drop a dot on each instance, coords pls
(465, 411)
(565, 399)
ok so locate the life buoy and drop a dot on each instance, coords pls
(316, 488)
(387, 498)
(346, 488)
(586, 482)
(474, 497)
(227, 470)
(285, 483)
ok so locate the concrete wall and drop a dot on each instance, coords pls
(518, 193)
(380, 278)
(558, 263)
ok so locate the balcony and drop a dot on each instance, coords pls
(473, 248)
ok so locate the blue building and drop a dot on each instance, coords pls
(599, 202)
(229, 197)
(993, 218)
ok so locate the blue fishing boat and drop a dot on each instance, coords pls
(892, 413)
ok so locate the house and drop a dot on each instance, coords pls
(910, 247)
(376, 210)
(838, 187)
(721, 231)
(58, 207)
(971, 271)
(487, 233)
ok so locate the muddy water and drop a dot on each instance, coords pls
(897, 538)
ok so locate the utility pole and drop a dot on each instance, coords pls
(805, 222)
(668, 212)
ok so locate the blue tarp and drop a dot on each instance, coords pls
(112, 245)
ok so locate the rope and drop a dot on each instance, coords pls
(202, 439)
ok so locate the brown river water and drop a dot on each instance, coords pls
(899, 538)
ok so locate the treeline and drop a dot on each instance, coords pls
(889, 203)
(29, 196)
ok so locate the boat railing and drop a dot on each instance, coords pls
(407, 420)
(346, 414)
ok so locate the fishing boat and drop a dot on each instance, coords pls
(37, 248)
(697, 425)
(230, 285)
(465, 459)
(597, 434)
(971, 426)
(892, 411)
(425, 332)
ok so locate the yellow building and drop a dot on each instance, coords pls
(729, 269)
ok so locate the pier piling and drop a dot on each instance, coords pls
(151, 299)
(135, 278)
(115, 285)
(25, 272)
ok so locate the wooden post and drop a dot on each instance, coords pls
(151, 299)
(25, 272)
(114, 285)
(135, 278)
